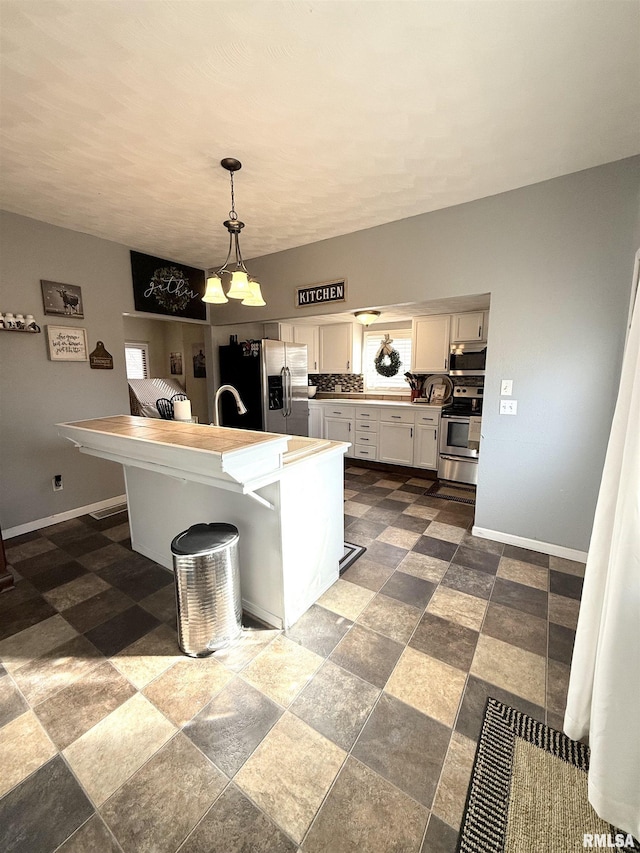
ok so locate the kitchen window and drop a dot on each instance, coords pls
(137, 360)
(373, 381)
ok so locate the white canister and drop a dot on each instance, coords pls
(9, 320)
(20, 321)
(182, 410)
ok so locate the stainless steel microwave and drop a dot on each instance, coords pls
(467, 360)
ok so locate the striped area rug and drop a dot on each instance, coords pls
(528, 791)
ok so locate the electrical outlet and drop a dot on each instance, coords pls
(508, 407)
(506, 388)
(337, 389)
(56, 482)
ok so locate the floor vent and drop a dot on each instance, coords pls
(110, 510)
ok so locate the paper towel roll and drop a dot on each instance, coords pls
(182, 410)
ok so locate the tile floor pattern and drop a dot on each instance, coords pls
(353, 731)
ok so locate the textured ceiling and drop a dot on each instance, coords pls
(345, 114)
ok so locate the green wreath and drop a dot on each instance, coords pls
(387, 363)
(169, 286)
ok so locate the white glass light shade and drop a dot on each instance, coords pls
(239, 286)
(255, 300)
(367, 317)
(214, 292)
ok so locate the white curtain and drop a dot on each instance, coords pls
(603, 704)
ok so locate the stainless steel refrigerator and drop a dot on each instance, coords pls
(271, 378)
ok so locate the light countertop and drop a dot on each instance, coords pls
(197, 451)
(196, 436)
(351, 401)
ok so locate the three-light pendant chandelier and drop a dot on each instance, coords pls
(242, 285)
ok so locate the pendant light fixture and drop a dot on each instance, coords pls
(367, 317)
(242, 286)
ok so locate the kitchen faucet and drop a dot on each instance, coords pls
(241, 406)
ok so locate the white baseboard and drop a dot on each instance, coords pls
(61, 516)
(161, 559)
(260, 613)
(531, 544)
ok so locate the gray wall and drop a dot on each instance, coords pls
(164, 337)
(557, 258)
(36, 393)
(153, 332)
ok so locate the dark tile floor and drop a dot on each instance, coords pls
(354, 731)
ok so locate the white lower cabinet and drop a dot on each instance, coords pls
(396, 443)
(339, 423)
(315, 420)
(425, 447)
(339, 429)
(400, 435)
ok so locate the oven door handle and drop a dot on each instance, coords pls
(458, 458)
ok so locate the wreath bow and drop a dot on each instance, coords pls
(387, 360)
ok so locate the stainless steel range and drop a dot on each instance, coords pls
(459, 426)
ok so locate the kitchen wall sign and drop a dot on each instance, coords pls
(100, 359)
(316, 294)
(65, 300)
(167, 288)
(67, 343)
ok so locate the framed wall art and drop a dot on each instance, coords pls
(199, 361)
(167, 288)
(175, 363)
(66, 343)
(65, 300)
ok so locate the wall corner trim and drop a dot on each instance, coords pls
(530, 544)
(49, 520)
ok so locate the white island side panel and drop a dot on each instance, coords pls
(161, 507)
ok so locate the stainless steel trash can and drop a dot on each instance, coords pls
(207, 573)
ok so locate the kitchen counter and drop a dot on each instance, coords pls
(345, 398)
(179, 474)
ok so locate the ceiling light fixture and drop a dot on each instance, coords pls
(367, 317)
(242, 285)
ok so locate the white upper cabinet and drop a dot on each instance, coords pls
(279, 332)
(340, 348)
(431, 343)
(309, 335)
(468, 327)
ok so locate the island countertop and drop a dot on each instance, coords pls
(199, 451)
(285, 494)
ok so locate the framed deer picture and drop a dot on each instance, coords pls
(63, 300)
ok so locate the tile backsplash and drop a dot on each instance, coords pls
(351, 383)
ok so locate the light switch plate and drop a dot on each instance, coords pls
(506, 388)
(508, 407)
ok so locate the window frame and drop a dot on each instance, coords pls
(394, 334)
(142, 346)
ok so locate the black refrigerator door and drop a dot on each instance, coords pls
(244, 373)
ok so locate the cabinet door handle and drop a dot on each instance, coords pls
(411, 433)
(349, 426)
(348, 363)
(435, 435)
(365, 415)
(364, 426)
(479, 331)
(336, 413)
(445, 364)
(364, 439)
(397, 417)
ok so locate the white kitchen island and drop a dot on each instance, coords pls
(284, 494)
